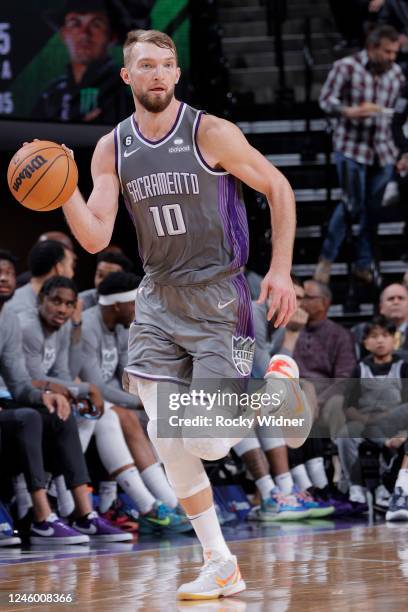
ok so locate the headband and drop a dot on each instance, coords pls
(114, 298)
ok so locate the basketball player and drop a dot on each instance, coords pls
(179, 171)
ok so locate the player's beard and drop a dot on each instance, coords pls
(154, 104)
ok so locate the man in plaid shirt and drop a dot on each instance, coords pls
(360, 92)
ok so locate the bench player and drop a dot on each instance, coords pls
(179, 171)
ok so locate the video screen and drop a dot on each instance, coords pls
(60, 59)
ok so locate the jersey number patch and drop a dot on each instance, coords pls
(173, 220)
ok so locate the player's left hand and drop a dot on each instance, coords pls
(279, 289)
(57, 403)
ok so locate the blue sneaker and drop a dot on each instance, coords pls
(398, 507)
(99, 529)
(161, 519)
(55, 531)
(7, 536)
(316, 508)
(280, 507)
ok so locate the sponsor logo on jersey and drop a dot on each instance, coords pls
(28, 170)
(179, 149)
(243, 354)
(178, 141)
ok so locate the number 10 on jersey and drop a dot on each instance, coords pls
(172, 216)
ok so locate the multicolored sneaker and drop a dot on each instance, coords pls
(398, 507)
(7, 535)
(99, 529)
(316, 508)
(218, 577)
(118, 516)
(180, 523)
(162, 518)
(53, 530)
(280, 507)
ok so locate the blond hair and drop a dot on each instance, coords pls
(160, 39)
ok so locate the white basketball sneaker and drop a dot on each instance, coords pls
(218, 577)
(294, 407)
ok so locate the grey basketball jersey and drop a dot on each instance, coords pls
(190, 219)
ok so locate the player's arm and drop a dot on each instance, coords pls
(224, 146)
(92, 222)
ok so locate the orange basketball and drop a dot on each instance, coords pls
(42, 176)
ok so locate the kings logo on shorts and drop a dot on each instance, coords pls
(243, 354)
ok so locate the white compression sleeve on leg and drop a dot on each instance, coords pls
(110, 441)
(185, 472)
(155, 480)
(86, 430)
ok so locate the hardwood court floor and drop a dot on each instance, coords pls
(322, 567)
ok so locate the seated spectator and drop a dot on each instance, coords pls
(323, 351)
(393, 304)
(56, 431)
(375, 405)
(46, 352)
(106, 263)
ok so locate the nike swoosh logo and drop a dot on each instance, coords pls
(129, 153)
(44, 532)
(162, 522)
(91, 530)
(223, 581)
(221, 306)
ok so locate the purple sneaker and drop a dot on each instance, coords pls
(100, 529)
(53, 530)
(342, 506)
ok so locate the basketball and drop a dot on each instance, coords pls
(42, 175)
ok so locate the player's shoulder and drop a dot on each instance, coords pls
(107, 141)
(213, 128)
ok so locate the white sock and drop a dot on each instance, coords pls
(265, 486)
(357, 493)
(301, 478)
(402, 480)
(285, 482)
(132, 483)
(317, 473)
(23, 497)
(209, 533)
(157, 483)
(65, 501)
(108, 492)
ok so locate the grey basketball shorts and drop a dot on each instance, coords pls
(192, 332)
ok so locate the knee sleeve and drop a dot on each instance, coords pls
(110, 441)
(185, 472)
